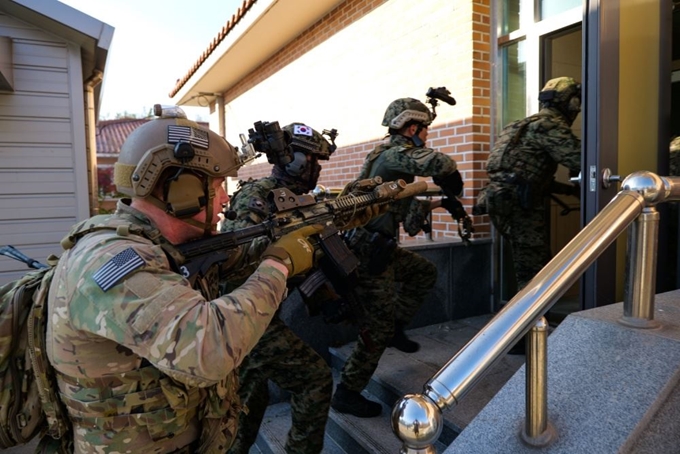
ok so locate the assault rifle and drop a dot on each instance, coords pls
(294, 212)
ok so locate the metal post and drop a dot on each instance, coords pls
(537, 430)
(640, 285)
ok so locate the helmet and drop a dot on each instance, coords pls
(308, 146)
(563, 93)
(171, 141)
(401, 110)
(309, 141)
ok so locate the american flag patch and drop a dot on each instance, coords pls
(118, 267)
(196, 137)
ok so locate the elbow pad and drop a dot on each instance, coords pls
(451, 184)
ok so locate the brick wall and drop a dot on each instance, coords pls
(344, 71)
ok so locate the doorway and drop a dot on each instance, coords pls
(534, 49)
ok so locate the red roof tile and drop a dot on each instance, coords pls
(235, 18)
(112, 133)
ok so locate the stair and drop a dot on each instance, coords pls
(398, 374)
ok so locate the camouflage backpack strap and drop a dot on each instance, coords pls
(521, 126)
(122, 226)
(372, 156)
(57, 421)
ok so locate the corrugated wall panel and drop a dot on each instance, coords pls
(38, 191)
(33, 105)
(33, 155)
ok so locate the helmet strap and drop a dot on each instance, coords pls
(415, 138)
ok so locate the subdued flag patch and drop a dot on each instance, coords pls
(196, 137)
(118, 267)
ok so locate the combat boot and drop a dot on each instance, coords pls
(401, 342)
(353, 403)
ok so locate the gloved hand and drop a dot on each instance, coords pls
(294, 250)
(362, 217)
(454, 207)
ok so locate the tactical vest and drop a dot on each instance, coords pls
(506, 164)
(387, 224)
(172, 406)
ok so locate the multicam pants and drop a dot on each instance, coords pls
(383, 308)
(294, 366)
(524, 229)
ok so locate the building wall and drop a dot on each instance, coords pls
(43, 172)
(344, 71)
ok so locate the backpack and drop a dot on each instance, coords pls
(29, 404)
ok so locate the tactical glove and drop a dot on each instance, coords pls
(294, 250)
(362, 217)
(454, 207)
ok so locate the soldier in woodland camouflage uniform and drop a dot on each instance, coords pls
(145, 363)
(675, 157)
(280, 355)
(521, 168)
(385, 265)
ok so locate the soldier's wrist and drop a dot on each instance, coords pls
(279, 255)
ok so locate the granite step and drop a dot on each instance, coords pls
(397, 374)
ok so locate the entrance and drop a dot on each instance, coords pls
(541, 51)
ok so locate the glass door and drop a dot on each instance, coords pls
(537, 41)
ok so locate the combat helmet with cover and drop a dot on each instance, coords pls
(564, 94)
(402, 110)
(179, 156)
(307, 140)
(308, 146)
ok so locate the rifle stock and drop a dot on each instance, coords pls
(292, 213)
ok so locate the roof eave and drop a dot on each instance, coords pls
(266, 28)
(93, 36)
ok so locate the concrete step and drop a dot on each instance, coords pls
(611, 388)
(400, 373)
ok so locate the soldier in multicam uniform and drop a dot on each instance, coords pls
(280, 355)
(145, 363)
(521, 167)
(382, 263)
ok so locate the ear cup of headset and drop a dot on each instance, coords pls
(298, 165)
(185, 195)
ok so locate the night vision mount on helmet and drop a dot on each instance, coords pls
(402, 110)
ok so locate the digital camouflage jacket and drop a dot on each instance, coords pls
(399, 158)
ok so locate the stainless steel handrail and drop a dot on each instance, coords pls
(417, 419)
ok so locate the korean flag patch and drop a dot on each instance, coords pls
(302, 130)
(117, 268)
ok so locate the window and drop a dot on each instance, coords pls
(513, 83)
(549, 8)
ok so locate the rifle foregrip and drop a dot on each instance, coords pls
(412, 189)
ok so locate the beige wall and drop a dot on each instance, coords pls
(43, 173)
(344, 71)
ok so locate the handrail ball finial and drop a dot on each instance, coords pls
(417, 422)
(649, 185)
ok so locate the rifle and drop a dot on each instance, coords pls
(293, 212)
(13, 253)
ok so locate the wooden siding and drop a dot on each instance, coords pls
(42, 169)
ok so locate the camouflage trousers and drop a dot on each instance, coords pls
(281, 356)
(525, 230)
(383, 308)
